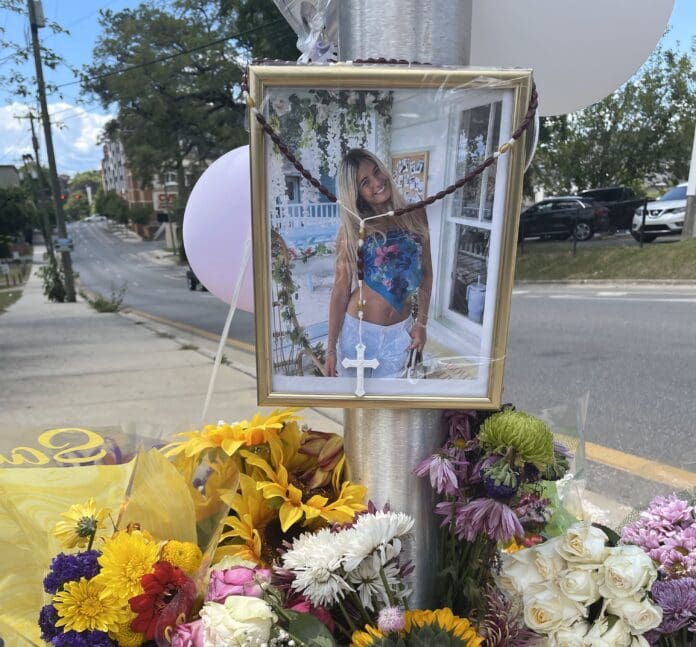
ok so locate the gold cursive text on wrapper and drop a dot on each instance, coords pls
(80, 440)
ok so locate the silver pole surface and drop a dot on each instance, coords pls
(384, 445)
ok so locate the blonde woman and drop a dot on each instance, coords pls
(396, 266)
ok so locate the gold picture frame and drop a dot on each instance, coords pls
(453, 118)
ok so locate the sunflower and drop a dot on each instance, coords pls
(82, 522)
(85, 606)
(125, 558)
(230, 438)
(440, 627)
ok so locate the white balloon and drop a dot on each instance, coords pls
(217, 224)
(580, 51)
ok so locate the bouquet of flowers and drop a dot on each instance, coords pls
(580, 590)
(492, 477)
(666, 531)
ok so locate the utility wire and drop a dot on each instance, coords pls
(168, 57)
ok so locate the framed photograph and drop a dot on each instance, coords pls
(410, 174)
(365, 296)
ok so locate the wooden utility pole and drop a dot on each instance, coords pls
(55, 186)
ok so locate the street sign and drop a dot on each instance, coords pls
(64, 244)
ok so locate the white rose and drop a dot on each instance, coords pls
(626, 571)
(583, 544)
(518, 571)
(547, 560)
(579, 585)
(573, 636)
(601, 636)
(641, 616)
(239, 622)
(639, 641)
(549, 610)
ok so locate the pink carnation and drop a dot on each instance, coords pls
(237, 581)
(188, 635)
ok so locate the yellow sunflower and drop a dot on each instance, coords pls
(252, 513)
(229, 438)
(82, 522)
(86, 606)
(125, 558)
(422, 628)
(126, 637)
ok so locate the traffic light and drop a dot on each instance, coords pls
(78, 196)
(62, 198)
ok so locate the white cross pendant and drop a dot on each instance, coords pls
(360, 364)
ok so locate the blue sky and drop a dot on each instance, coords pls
(77, 125)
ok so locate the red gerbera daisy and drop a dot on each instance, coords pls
(168, 592)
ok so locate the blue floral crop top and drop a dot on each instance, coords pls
(392, 265)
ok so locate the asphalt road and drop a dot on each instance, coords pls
(630, 350)
(106, 263)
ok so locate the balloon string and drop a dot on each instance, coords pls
(246, 255)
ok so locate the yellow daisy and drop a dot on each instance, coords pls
(86, 606)
(182, 554)
(82, 522)
(370, 637)
(125, 558)
(126, 637)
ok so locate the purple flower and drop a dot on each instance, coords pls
(83, 639)
(68, 568)
(677, 598)
(487, 516)
(391, 620)
(48, 616)
(460, 425)
(671, 509)
(441, 468)
(533, 509)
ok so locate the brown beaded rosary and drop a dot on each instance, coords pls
(360, 362)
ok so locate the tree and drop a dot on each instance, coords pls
(642, 131)
(15, 215)
(112, 205)
(80, 181)
(76, 206)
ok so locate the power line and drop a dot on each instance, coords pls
(168, 57)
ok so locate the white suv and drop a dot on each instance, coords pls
(665, 215)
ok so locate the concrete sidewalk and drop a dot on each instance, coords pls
(64, 364)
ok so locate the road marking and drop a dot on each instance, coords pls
(612, 294)
(517, 292)
(645, 468)
(249, 348)
(579, 297)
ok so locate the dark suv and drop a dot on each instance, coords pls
(620, 201)
(562, 218)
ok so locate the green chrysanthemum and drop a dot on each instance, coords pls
(529, 438)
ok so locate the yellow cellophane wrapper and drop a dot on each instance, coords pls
(31, 500)
(148, 490)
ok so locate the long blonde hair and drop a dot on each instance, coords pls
(347, 238)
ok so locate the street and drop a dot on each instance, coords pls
(631, 348)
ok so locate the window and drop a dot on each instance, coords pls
(292, 188)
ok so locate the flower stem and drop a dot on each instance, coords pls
(387, 588)
(346, 616)
(363, 611)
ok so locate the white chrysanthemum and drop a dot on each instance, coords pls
(368, 583)
(316, 561)
(378, 533)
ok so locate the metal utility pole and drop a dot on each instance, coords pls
(43, 184)
(55, 187)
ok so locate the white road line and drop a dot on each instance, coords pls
(612, 294)
(578, 297)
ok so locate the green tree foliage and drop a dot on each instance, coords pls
(15, 214)
(112, 205)
(76, 206)
(642, 131)
(17, 50)
(140, 214)
(80, 181)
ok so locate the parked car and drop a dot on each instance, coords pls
(620, 201)
(563, 217)
(665, 216)
(95, 218)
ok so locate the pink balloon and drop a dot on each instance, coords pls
(217, 223)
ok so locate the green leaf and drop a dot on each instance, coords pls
(309, 629)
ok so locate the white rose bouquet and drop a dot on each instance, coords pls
(581, 590)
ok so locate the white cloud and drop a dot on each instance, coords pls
(75, 134)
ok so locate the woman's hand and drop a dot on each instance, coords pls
(330, 364)
(418, 337)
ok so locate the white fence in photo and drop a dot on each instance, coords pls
(297, 216)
